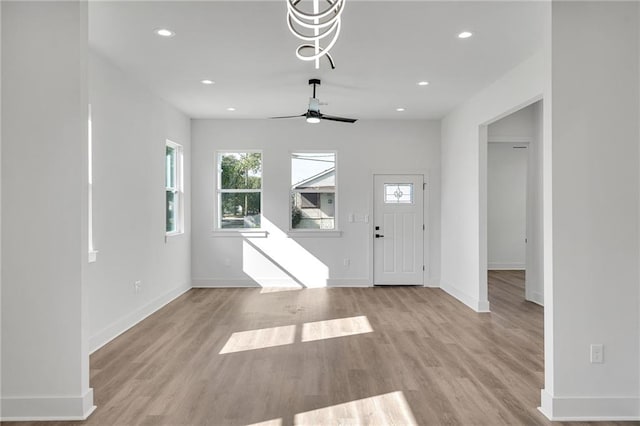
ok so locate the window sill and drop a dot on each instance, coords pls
(171, 236)
(93, 256)
(240, 233)
(314, 234)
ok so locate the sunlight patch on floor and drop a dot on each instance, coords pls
(387, 409)
(329, 329)
(259, 339)
(286, 335)
(274, 422)
(267, 290)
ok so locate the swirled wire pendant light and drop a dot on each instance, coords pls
(314, 27)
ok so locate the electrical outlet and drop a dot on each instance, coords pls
(346, 262)
(597, 353)
(136, 286)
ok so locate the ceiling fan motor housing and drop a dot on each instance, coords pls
(314, 105)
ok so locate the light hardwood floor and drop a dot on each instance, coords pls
(392, 355)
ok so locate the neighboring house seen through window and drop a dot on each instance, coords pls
(313, 190)
(239, 201)
(310, 200)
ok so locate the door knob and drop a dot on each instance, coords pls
(379, 236)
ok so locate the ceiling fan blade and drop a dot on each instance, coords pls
(341, 119)
(288, 116)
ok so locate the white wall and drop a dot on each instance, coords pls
(130, 127)
(507, 205)
(525, 125)
(519, 125)
(362, 148)
(595, 297)
(45, 359)
(464, 145)
(0, 209)
(1, 415)
(535, 222)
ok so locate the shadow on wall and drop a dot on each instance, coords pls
(280, 262)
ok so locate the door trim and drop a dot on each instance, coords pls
(426, 203)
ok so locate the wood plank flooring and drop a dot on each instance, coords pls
(389, 355)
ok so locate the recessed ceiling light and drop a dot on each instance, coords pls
(423, 83)
(164, 32)
(465, 34)
(207, 82)
(231, 109)
(400, 109)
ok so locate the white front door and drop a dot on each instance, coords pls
(398, 245)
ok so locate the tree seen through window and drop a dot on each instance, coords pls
(240, 189)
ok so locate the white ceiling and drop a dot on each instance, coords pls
(384, 49)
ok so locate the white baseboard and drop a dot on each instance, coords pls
(433, 283)
(470, 301)
(506, 266)
(536, 298)
(226, 283)
(356, 282)
(47, 408)
(584, 409)
(112, 331)
(273, 282)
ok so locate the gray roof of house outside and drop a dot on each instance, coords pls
(325, 179)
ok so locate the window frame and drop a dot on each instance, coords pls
(335, 231)
(177, 189)
(217, 204)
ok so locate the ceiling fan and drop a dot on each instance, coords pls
(313, 114)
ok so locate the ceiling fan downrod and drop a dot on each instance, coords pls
(314, 81)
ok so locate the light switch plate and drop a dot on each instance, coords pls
(597, 353)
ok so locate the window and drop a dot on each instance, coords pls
(313, 190)
(398, 193)
(239, 190)
(174, 189)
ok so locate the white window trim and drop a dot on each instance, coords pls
(217, 217)
(335, 231)
(179, 188)
(314, 233)
(241, 233)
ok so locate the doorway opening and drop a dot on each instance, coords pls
(514, 201)
(511, 223)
